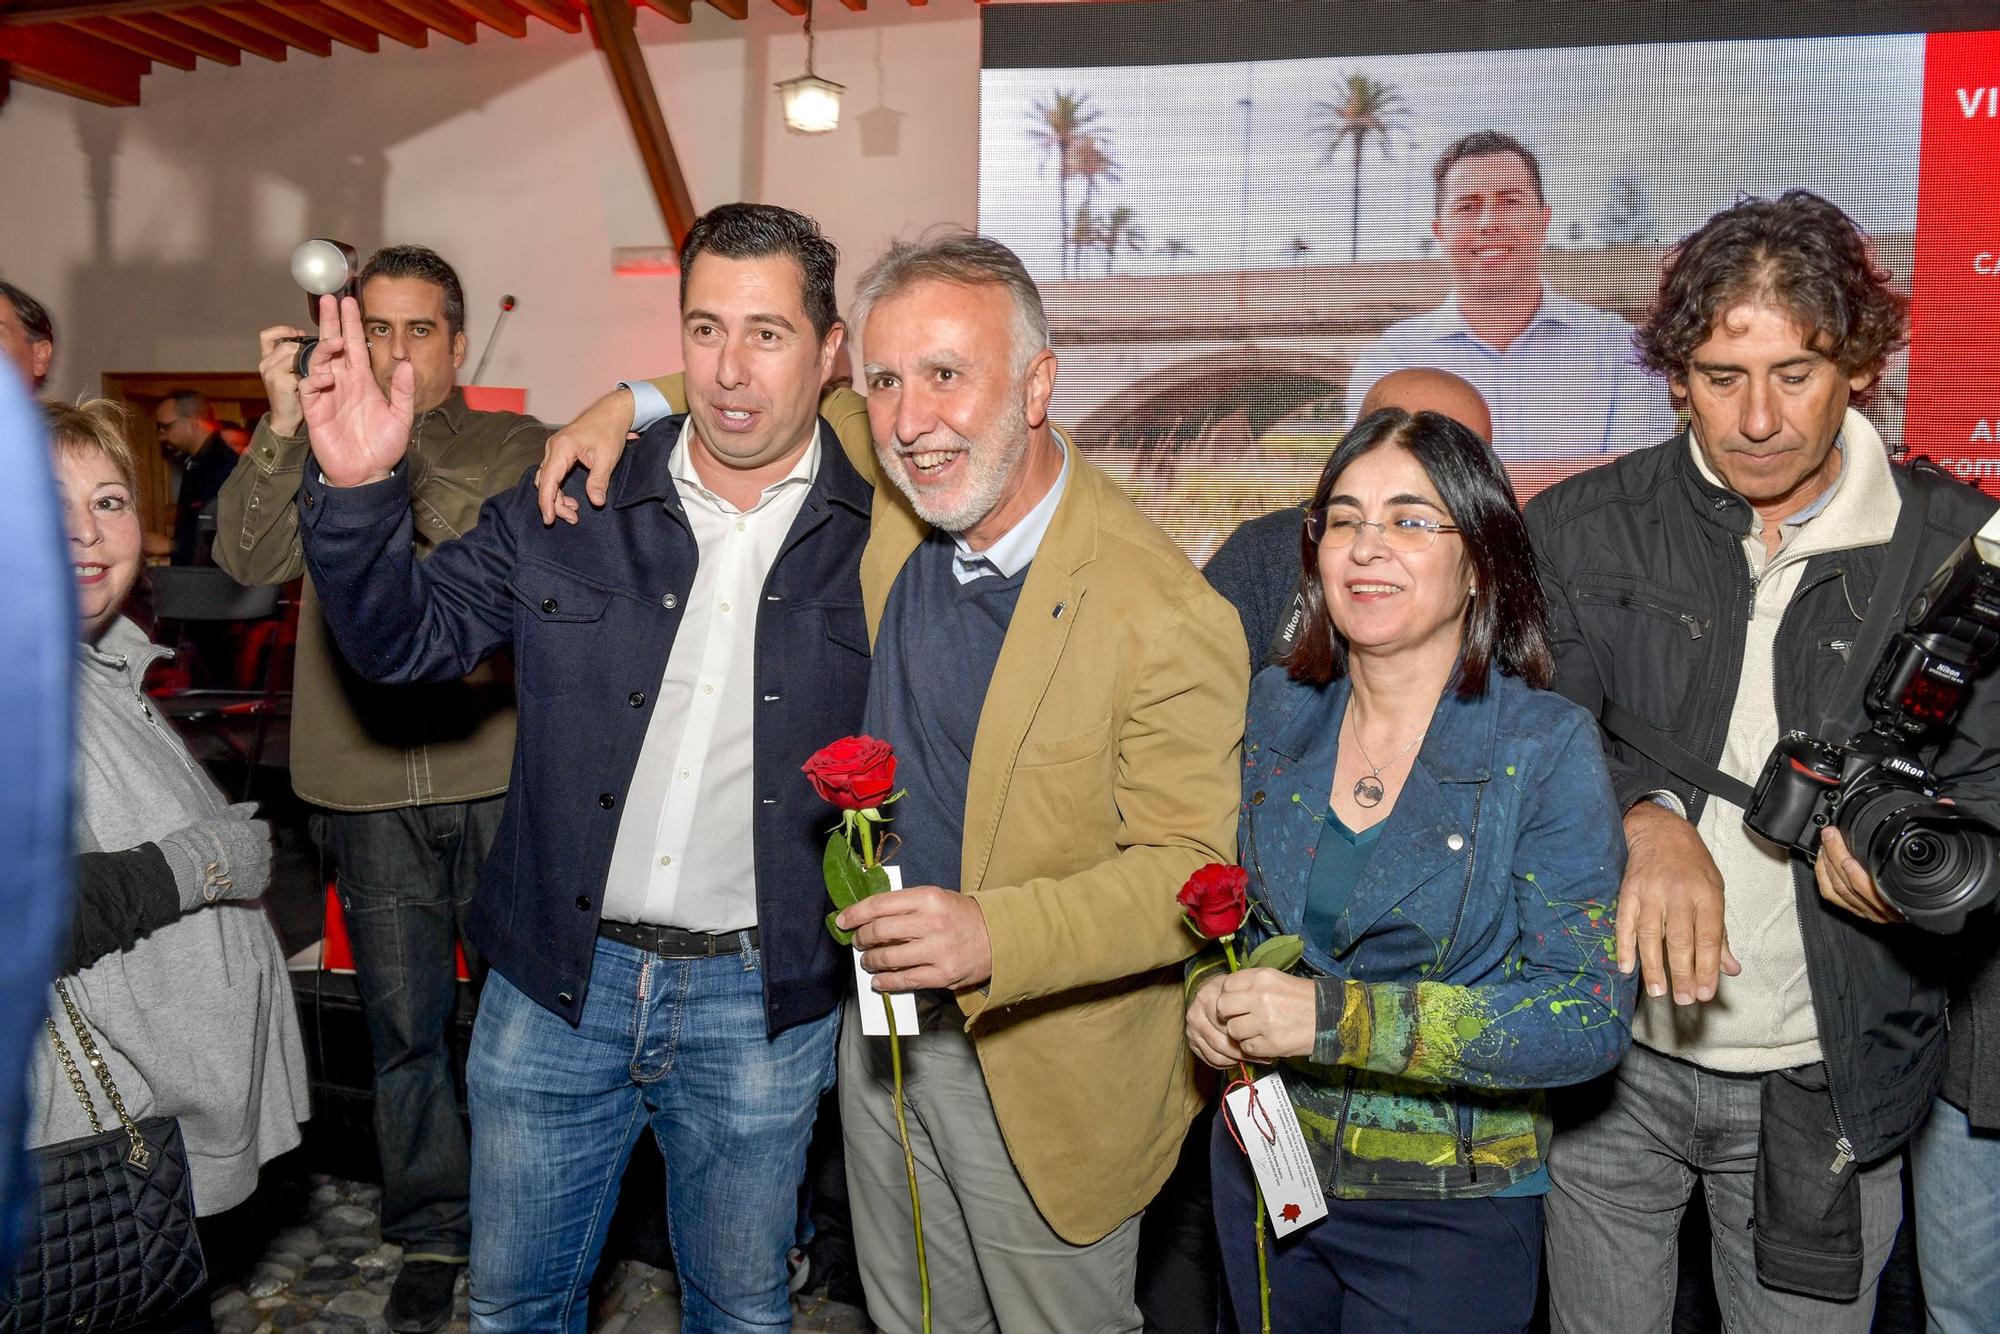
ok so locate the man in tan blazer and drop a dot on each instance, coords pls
(1066, 697)
(1021, 603)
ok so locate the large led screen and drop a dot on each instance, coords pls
(1238, 221)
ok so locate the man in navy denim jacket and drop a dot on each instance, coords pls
(653, 907)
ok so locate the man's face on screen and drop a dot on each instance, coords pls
(1491, 223)
(1766, 406)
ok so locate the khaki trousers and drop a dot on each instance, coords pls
(995, 1265)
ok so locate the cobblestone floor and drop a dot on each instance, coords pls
(331, 1270)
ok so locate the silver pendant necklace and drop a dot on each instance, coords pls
(1368, 789)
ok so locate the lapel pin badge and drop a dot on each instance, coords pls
(1060, 608)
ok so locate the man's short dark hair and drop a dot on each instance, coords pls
(1483, 143)
(417, 261)
(188, 403)
(1507, 623)
(33, 315)
(758, 231)
(1797, 253)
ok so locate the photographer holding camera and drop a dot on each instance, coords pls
(1708, 595)
(412, 778)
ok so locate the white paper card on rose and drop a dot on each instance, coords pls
(1271, 1136)
(874, 1022)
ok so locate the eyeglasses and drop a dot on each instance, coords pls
(1409, 533)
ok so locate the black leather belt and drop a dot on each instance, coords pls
(670, 942)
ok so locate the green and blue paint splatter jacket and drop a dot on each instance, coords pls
(1474, 964)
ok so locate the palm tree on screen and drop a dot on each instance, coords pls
(1057, 126)
(1118, 231)
(1084, 234)
(1363, 111)
(1176, 250)
(1091, 162)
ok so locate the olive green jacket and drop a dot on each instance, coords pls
(357, 746)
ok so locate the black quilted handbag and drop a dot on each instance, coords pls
(115, 1244)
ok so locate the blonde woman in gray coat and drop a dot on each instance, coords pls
(194, 1017)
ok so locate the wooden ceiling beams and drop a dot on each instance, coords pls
(269, 19)
(99, 49)
(75, 63)
(611, 27)
(680, 11)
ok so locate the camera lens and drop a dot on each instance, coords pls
(1932, 861)
(302, 361)
(1919, 853)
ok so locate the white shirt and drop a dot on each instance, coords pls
(684, 853)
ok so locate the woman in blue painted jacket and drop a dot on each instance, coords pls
(1437, 826)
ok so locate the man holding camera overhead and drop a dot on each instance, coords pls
(1709, 595)
(412, 778)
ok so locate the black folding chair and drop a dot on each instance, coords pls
(203, 594)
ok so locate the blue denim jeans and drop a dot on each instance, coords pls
(405, 879)
(677, 1044)
(1956, 1175)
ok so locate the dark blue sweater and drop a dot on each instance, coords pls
(934, 658)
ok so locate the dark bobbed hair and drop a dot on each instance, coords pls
(416, 261)
(33, 315)
(1797, 253)
(1507, 623)
(758, 231)
(1483, 143)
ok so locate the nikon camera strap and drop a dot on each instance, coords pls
(1884, 604)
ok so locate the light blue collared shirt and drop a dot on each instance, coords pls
(1016, 548)
(1567, 386)
(648, 403)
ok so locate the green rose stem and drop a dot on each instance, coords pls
(1263, 1264)
(867, 823)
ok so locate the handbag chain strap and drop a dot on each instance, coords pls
(139, 1156)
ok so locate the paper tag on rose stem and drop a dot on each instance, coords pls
(1270, 1134)
(874, 1020)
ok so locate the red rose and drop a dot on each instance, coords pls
(855, 773)
(1216, 899)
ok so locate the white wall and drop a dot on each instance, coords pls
(159, 235)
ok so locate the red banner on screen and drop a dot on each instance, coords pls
(1953, 412)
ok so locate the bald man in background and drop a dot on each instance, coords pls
(1257, 567)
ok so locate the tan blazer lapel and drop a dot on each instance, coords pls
(1051, 601)
(894, 531)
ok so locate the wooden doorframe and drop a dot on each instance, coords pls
(141, 392)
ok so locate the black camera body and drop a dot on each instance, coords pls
(1806, 784)
(1935, 862)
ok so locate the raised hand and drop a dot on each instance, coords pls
(358, 436)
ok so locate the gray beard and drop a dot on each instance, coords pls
(993, 464)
